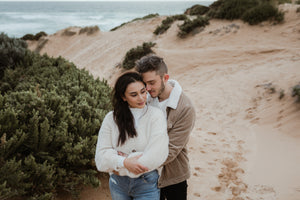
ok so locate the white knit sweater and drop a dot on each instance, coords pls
(151, 140)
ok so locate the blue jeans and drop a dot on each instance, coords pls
(141, 188)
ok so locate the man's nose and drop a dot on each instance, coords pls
(148, 88)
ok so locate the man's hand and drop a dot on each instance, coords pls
(134, 166)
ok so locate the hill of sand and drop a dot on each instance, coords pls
(246, 141)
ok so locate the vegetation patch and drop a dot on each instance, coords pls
(190, 25)
(135, 54)
(50, 115)
(197, 10)
(251, 11)
(136, 19)
(166, 23)
(34, 37)
(89, 30)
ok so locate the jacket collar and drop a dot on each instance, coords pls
(173, 98)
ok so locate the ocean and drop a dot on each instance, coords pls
(20, 18)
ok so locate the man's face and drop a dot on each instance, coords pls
(155, 85)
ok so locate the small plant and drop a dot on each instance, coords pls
(190, 25)
(136, 53)
(297, 2)
(89, 30)
(281, 94)
(298, 10)
(197, 10)
(296, 92)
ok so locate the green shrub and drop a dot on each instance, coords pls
(166, 23)
(136, 53)
(34, 37)
(190, 25)
(298, 10)
(297, 2)
(196, 10)
(12, 52)
(89, 30)
(262, 13)
(50, 115)
(251, 11)
(296, 92)
(136, 19)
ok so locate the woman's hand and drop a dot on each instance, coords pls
(132, 165)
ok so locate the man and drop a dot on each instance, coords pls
(180, 114)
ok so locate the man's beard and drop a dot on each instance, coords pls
(162, 88)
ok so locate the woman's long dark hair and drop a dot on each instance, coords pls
(122, 114)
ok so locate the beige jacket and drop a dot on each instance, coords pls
(181, 117)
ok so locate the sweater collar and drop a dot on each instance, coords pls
(174, 95)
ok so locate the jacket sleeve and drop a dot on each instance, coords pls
(106, 157)
(156, 151)
(179, 131)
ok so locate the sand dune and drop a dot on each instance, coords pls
(246, 142)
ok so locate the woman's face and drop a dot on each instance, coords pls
(136, 95)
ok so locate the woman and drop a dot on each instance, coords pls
(136, 130)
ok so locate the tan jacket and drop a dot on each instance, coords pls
(180, 124)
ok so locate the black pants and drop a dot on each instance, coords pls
(174, 192)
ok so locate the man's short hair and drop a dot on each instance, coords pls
(151, 63)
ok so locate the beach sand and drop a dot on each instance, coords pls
(246, 141)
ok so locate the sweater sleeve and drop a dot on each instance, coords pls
(106, 157)
(156, 151)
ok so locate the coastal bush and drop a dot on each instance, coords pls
(50, 114)
(297, 2)
(136, 19)
(196, 10)
(34, 37)
(296, 92)
(136, 53)
(190, 25)
(89, 30)
(298, 10)
(262, 13)
(166, 23)
(12, 52)
(245, 10)
(284, 1)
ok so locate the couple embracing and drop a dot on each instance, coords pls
(142, 143)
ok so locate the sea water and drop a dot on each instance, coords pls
(20, 18)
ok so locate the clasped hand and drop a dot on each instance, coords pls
(132, 164)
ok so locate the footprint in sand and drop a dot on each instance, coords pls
(197, 194)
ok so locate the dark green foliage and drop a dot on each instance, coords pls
(262, 13)
(50, 115)
(166, 23)
(89, 30)
(298, 10)
(296, 92)
(297, 2)
(251, 11)
(136, 19)
(136, 53)
(196, 10)
(12, 52)
(34, 37)
(190, 25)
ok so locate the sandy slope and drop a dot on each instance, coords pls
(246, 142)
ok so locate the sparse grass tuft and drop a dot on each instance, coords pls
(34, 37)
(296, 92)
(197, 10)
(166, 23)
(89, 30)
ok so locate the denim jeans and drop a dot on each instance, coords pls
(141, 188)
